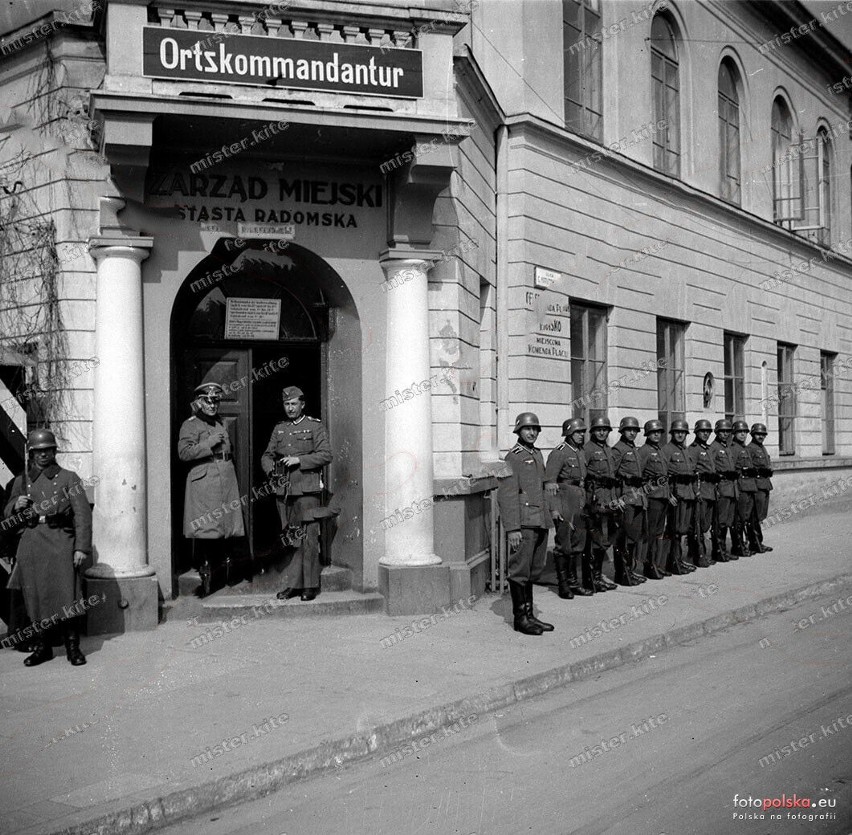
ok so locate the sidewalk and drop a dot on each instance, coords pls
(139, 735)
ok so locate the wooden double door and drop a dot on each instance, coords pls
(253, 378)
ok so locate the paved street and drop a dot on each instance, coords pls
(692, 727)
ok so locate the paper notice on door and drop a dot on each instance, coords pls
(252, 318)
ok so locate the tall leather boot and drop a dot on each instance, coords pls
(758, 534)
(650, 569)
(206, 576)
(72, 643)
(576, 586)
(565, 591)
(599, 581)
(718, 553)
(622, 577)
(519, 610)
(739, 546)
(675, 564)
(42, 652)
(588, 570)
(723, 538)
(633, 566)
(545, 627)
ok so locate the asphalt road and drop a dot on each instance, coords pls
(678, 737)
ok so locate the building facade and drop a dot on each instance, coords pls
(429, 218)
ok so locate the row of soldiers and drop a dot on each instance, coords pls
(641, 500)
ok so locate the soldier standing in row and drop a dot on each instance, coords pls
(525, 511)
(706, 480)
(631, 533)
(50, 505)
(682, 503)
(726, 491)
(297, 451)
(746, 489)
(604, 510)
(211, 487)
(763, 468)
(565, 485)
(655, 485)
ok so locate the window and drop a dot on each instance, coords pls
(826, 384)
(588, 361)
(729, 133)
(582, 54)
(670, 393)
(487, 368)
(734, 375)
(786, 399)
(785, 180)
(666, 91)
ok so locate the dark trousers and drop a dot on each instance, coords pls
(527, 563)
(302, 568)
(655, 554)
(705, 510)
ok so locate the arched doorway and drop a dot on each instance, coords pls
(257, 316)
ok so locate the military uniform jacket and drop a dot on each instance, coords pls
(307, 439)
(603, 486)
(520, 495)
(745, 469)
(681, 471)
(566, 465)
(628, 470)
(702, 463)
(723, 461)
(654, 471)
(211, 484)
(762, 464)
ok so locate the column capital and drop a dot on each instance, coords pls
(394, 258)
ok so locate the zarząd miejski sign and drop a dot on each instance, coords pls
(193, 55)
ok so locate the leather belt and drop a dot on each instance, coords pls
(632, 481)
(216, 456)
(572, 481)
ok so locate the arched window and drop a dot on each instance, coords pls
(666, 91)
(583, 56)
(785, 182)
(729, 133)
(824, 186)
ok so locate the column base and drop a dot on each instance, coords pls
(131, 604)
(414, 590)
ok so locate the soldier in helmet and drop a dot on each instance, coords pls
(726, 490)
(656, 487)
(604, 509)
(746, 488)
(763, 467)
(298, 449)
(681, 481)
(211, 488)
(706, 480)
(631, 533)
(565, 484)
(49, 503)
(525, 511)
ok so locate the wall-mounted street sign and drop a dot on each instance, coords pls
(193, 55)
(546, 278)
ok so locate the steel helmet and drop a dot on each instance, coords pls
(41, 439)
(723, 425)
(628, 423)
(679, 426)
(740, 426)
(758, 429)
(702, 424)
(526, 419)
(572, 425)
(653, 426)
(600, 423)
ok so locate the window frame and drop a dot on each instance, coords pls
(671, 371)
(827, 401)
(666, 142)
(588, 400)
(730, 176)
(733, 347)
(787, 400)
(584, 114)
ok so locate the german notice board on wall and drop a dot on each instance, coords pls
(252, 318)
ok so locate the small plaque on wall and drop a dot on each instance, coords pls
(252, 318)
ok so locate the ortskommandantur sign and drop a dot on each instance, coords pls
(192, 55)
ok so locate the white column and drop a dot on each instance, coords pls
(120, 512)
(408, 426)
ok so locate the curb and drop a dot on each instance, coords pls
(257, 781)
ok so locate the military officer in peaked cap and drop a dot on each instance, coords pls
(210, 516)
(49, 503)
(565, 484)
(298, 450)
(525, 511)
(763, 468)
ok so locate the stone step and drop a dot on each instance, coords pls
(221, 606)
(333, 578)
